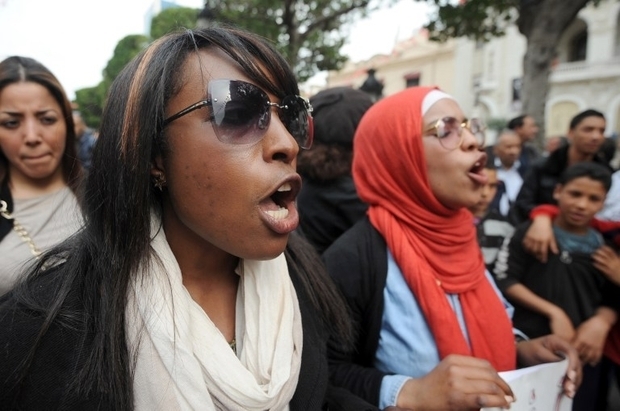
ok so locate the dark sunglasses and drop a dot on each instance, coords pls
(449, 131)
(241, 112)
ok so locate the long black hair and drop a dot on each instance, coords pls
(102, 260)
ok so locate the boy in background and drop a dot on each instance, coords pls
(567, 295)
(491, 226)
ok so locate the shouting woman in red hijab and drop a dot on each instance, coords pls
(432, 328)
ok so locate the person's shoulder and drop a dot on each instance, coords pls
(23, 313)
(530, 150)
(361, 234)
(540, 162)
(35, 296)
(42, 344)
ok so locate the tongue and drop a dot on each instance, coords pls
(269, 205)
(481, 179)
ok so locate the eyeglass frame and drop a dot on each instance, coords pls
(467, 123)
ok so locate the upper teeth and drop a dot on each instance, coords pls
(477, 164)
(285, 187)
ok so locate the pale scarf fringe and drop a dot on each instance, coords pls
(183, 362)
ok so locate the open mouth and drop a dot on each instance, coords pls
(476, 172)
(281, 200)
(480, 164)
(477, 167)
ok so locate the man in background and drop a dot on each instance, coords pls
(510, 172)
(585, 138)
(526, 128)
(85, 139)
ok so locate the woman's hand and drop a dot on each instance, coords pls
(457, 383)
(551, 348)
(561, 325)
(607, 261)
(539, 238)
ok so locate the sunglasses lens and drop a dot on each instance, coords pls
(240, 111)
(295, 114)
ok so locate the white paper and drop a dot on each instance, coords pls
(538, 388)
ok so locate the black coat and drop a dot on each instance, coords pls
(540, 181)
(568, 280)
(63, 349)
(361, 273)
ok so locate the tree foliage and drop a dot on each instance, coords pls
(480, 20)
(173, 19)
(92, 99)
(309, 34)
(126, 49)
(542, 22)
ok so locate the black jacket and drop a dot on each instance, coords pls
(568, 280)
(540, 181)
(360, 273)
(63, 348)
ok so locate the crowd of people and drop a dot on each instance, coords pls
(222, 243)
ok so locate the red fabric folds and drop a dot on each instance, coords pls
(435, 247)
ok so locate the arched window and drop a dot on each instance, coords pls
(579, 46)
(559, 116)
(573, 44)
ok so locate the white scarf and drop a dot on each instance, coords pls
(183, 362)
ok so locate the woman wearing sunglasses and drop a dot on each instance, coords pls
(431, 328)
(184, 291)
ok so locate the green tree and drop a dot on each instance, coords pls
(173, 19)
(126, 49)
(542, 22)
(309, 34)
(92, 99)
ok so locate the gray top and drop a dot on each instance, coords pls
(48, 219)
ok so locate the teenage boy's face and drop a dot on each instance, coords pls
(579, 200)
(488, 193)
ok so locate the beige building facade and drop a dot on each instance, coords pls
(485, 77)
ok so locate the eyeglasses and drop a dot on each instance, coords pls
(241, 112)
(450, 132)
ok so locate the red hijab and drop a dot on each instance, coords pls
(435, 247)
